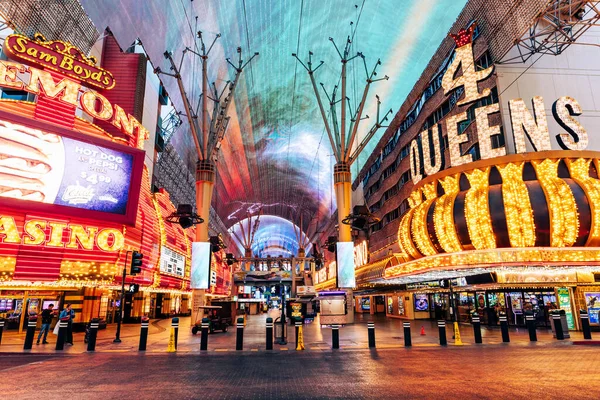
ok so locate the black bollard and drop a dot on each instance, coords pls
(269, 333)
(62, 333)
(442, 329)
(558, 330)
(407, 338)
(94, 324)
(335, 336)
(31, 324)
(371, 329)
(477, 328)
(204, 334)
(144, 333)
(1, 328)
(583, 315)
(530, 321)
(297, 325)
(239, 341)
(175, 326)
(504, 328)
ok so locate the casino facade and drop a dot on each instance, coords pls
(76, 192)
(487, 179)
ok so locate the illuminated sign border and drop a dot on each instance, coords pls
(59, 56)
(130, 215)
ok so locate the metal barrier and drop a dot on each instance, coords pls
(144, 333)
(335, 336)
(269, 333)
(442, 330)
(62, 331)
(530, 321)
(407, 337)
(31, 324)
(583, 315)
(93, 335)
(477, 328)
(204, 326)
(239, 340)
(371, 329)
(504, 328)
(558, 329)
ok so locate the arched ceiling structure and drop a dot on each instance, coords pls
(275, 236)
(276, 155)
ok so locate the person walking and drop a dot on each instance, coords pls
(70, 313)
(47, 315)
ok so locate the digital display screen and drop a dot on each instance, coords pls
(345, 265)
(45, 167)
(200, 265)
(172, 262)
(592, 302)
(421, 302)
(64, 171)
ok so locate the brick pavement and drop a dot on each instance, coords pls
(489, 372)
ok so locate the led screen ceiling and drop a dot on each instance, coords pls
(274, 237)
(275, 153)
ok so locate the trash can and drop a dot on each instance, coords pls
(563, 323)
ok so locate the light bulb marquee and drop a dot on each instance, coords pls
(529, 208)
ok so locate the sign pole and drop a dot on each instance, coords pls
(118, 335)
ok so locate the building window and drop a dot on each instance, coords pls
(14, 94)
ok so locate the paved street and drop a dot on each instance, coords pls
(453, 372)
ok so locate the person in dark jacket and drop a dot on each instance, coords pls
(47, 315)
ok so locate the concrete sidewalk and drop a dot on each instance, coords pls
(388, 332)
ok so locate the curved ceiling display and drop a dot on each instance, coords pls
(276, 155)
(274, 236)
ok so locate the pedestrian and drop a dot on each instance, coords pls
(47, 315)
(70, 313)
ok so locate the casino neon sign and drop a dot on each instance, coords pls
(18, 76)
(426, 151)
(40, 232)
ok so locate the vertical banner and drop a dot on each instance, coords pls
(200, 265)
(345, 265)
(564, 302)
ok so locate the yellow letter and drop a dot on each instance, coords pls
(415, 162)
(20, 46)
(56, 234)
(469, 78)
(78, 234)
(485, 132)
(9, 229)
(118, 242)
(523, 123)
(35, 232)
(431, 168)
(67, 63)
(32, 52)
(66, 88)
(125, 122)
(88, 104)
(8, 74)
(455, 140)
